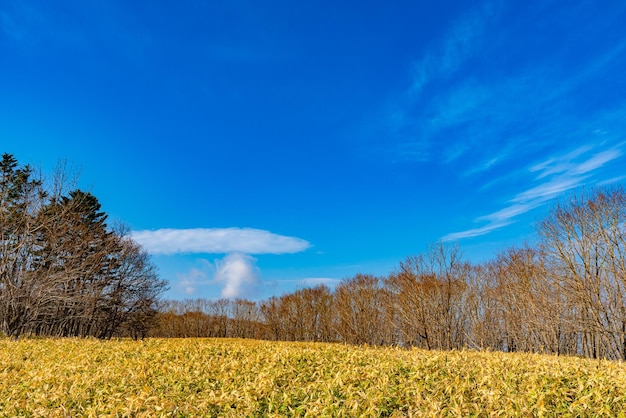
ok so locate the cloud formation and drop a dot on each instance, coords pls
(238, 275)
(556, 176)
(217, 241)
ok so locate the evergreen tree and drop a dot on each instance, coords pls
(63, 271)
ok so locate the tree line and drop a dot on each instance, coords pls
(63, 270)
(565, 294)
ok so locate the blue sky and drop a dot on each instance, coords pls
(254, 147)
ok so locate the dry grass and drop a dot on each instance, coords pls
(208, 377)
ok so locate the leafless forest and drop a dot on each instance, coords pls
(63, 271)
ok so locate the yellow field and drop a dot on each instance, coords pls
(209, 377)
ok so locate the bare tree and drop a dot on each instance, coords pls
(21, 197)
(360, 310)
(429, 292)
(583, 244)
(531, 309)
(486, 325)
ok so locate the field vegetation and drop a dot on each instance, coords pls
(235, 377)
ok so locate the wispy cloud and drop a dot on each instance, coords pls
(556, 176)
(486, 105)
(560, 164)
(476, 91)
(463, 38)
(598, 161)
(217, 241)
(191, 281)
(412, 118)
(567, 164)
(475, 232)
(549, 189)
(505, 215)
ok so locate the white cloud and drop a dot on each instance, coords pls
(559, 164)
(569, 173)
(217, 241)
(549, 189)
(567, 164)
(597, 161)
(238, 274)
(563, 173)
(475, 232)
(507, 213)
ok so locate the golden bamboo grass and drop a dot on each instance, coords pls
(211, 377)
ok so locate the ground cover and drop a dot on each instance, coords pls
(229, 377)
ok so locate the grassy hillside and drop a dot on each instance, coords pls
(208, 377)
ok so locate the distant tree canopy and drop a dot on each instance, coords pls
(63, 270)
